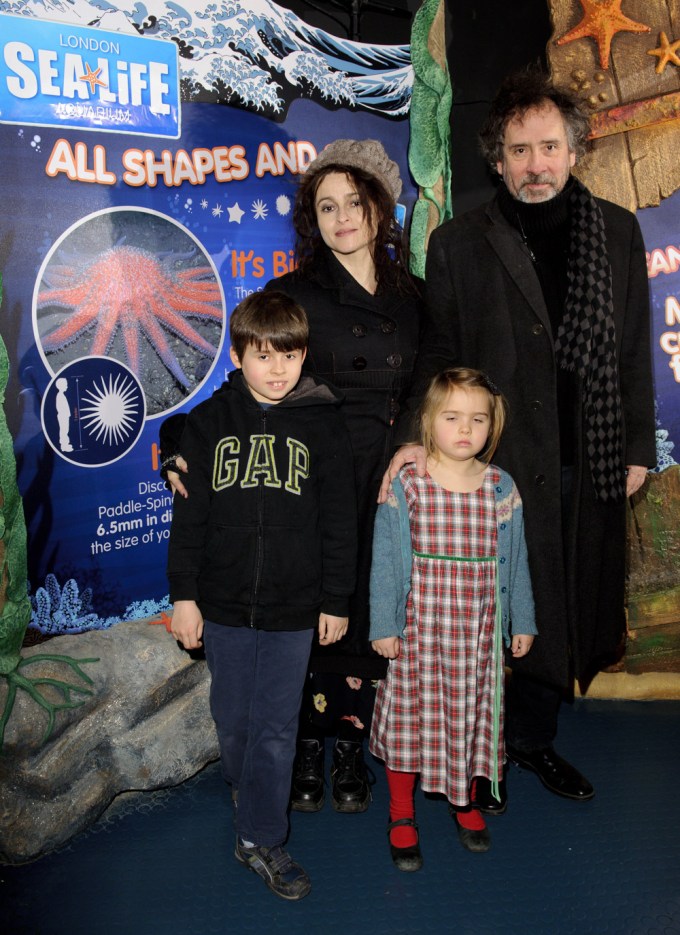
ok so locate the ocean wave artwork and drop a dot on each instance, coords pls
(255, 55)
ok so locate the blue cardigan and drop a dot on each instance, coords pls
(392, 558)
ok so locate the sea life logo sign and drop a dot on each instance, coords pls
(58, 75)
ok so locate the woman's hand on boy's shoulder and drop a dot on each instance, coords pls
(174, 479)
(388, 646)
(521, 644)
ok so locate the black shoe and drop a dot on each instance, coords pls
(476, 841)
(307, 790)
(555, 773)
(484, 800)
(406, 859)
(350, 787)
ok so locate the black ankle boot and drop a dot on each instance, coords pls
(307, 790)
(350, 787)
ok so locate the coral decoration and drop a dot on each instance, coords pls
(667, 52)
(429, 151)
(602, 20)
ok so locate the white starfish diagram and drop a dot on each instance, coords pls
(259, 209)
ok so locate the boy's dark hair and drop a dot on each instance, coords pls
(268, 319)
(525, 90)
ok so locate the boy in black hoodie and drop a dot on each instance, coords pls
(261, 553)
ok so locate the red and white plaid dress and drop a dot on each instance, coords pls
(434, 710)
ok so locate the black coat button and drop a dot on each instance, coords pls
(536, 404)
(359, 363)
(394, 360)
(359, 331)
(388, 326)
(539, 480)
(538, 329)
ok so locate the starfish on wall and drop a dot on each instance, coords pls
(667, 52)
(602, 19)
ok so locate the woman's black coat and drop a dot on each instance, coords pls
(366, 346)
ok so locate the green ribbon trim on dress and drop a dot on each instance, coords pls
(497, 654)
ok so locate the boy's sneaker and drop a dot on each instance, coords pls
(277, 868)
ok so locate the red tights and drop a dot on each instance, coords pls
(401, 786)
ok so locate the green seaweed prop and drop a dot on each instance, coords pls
(15, 606)
(430, 144)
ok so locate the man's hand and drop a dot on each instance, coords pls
(635, 478)
(331, 629)
(388, 646)
(187, 624)
(406, 455)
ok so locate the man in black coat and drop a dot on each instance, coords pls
(545, 288)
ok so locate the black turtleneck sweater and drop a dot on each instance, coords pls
(545, 229)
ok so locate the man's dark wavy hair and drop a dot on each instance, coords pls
(525, 90)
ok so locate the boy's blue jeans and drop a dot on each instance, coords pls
(255, 696)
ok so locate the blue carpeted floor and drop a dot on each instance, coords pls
(162, 864)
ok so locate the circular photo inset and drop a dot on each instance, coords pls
(93, 411)
(136, 286)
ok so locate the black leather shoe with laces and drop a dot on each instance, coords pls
(350, 786)
(554, 772)
(307, 789)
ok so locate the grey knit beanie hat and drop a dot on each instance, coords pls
(368, 155)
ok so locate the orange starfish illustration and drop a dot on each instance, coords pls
(602, 19)
(92, 77)
(667, 52)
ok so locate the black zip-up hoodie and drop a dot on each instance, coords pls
(267, 537)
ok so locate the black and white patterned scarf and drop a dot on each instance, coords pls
(586, 342)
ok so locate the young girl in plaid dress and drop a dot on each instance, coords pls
(449, 584)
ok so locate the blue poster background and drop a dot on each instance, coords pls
(661, 232)
(106, 526)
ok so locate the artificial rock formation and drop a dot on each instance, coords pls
(146, 726)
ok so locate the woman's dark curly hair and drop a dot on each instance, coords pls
(388, 249)
(522, 91)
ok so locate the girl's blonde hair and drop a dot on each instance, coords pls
(461, 378)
